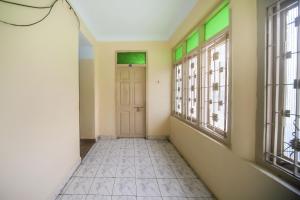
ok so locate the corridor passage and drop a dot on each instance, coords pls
(130, 169)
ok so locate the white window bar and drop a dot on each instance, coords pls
(215, 86)
(282, 93)
(178, 89)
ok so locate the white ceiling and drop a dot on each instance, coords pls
(133, 20)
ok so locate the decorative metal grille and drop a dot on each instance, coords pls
(282, 144)
(178, 89)
(214, 85)
(192, 92)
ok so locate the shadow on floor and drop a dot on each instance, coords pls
(85, 146)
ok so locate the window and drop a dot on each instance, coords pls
(201, 76)
(217, 23)
(179, 53)
(192, 42)
(178, 89)
(215, 86)
(282, 91)
(192, 91)
(131, 58)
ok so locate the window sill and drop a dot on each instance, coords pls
(210, 134)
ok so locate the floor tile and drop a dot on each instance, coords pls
(194, 188)
(78, 185)
(170, 187)
(143, 160)
(87, 170)
(71, 197)
(107, 171)
(103, 186)
(110, 160)
(160, 160)
(124, 186)
(183, 171)
(123, 198)
(164, 171)
(149, 198)
(147, 187)
(92, 160)
(126, 160)
(97, 197)
(144, 171)
(134, 169)
(127, 171)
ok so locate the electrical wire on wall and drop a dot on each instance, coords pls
(50, 7)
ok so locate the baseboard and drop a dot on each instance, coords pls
(65, 180)
(157, 137)
(88, 140)
(106, 137)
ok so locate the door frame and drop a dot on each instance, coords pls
(146, 87)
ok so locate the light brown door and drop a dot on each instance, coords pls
(131, 101)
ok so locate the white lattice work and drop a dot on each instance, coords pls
(214, 86)
(192, 92)
(178, 89)
(282, 87)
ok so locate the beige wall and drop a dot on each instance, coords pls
(158, 86)
(39, 132)
(227, 175)
(86, 99)
(227, 170)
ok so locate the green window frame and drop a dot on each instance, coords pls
(193, 41)
(138, 58)
(217, 23)
(179, 53)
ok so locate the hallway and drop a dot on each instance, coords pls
(126, 169)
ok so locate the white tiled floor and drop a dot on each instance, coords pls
(134, 169)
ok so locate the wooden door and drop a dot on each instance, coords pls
(131, 101)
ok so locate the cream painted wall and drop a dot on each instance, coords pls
(86, 99)
(39, 132)
(227, 175)
(158, 86)
(226, 171)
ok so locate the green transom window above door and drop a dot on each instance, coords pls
(137, 58)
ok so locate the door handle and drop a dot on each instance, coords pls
(138, 108)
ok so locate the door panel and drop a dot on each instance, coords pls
(125, 93)
(139, 97)
(139, 123)
(124, 124)
(131, 101)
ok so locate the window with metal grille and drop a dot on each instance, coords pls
(282, 94)
(192, 91)
(215, 86)
(178, 88)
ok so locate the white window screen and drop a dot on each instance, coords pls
(282, 87)
(192, 92)
(214, 86)
(178, 88)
